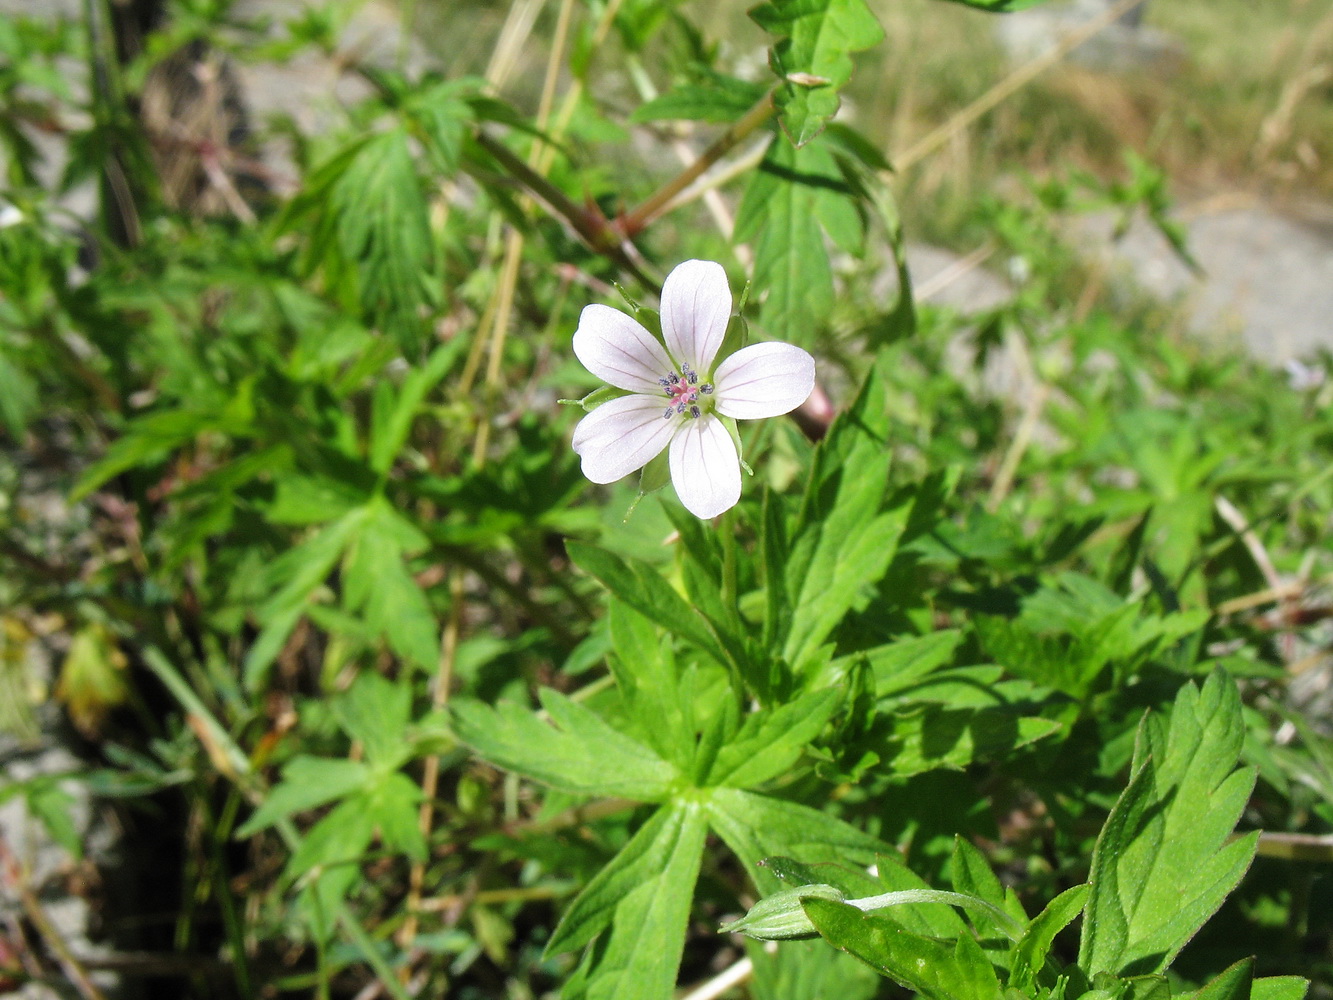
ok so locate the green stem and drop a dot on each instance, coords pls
(726, 526)
(590, 224)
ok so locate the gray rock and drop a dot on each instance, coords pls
(1124, 46)
(1266, 281)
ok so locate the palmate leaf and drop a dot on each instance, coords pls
(812, 58)
(1162, 864)
(371, 228)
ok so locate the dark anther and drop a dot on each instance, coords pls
(706, 387)
(669, 410)
(694, 412)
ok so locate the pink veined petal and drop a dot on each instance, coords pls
(705, 468)
(763, 380)
(618, 350)
(622, 435)
(696, 307)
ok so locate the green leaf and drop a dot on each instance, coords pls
(812, 58)
(649, 684)
(1031, 952)
(443, 118)
(779, 916)
(644, 896)
(307, 782)
(900, 663)
(809, 970)
(972, 876)
(935, 736)
(641, 587)
(793, 196)
(929, 967)
(146, 441)
(377, 584)
(770, 741)
(843, 542)
(295, 575)
(1280, 988)
(720, 100)
(756, 827)
(19, 396)
(369, 212)
(340, 839)
(302, 500)
(393, 802)
(571, 755)
(846, 558)
(391, 422)
(1235, 983)
(376, 712)
(1162, 865)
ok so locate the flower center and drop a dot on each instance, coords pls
(683, 391)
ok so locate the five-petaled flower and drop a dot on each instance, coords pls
(677, 393)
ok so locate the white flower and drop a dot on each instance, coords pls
(678, 393)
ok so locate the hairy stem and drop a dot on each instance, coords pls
(656, 203)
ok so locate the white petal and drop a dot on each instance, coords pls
(696, 306)
(622, 435)
(705, 468)
(763, 380)
(618, 350)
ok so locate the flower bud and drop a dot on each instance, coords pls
(780, 916)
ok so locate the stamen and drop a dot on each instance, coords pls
(669, 410)
(706, 387)
(664, 382)
(695, 412)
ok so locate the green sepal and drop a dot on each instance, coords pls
(650, 320)
(730, 424)
(595, 398)
(633, 303)
(737, 336)
(656, 474)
